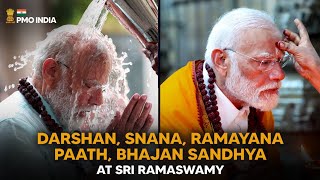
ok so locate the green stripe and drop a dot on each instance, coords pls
(21, 14)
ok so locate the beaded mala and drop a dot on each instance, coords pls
(30, 94)
(210, 103)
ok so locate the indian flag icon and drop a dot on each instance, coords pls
(21, 12)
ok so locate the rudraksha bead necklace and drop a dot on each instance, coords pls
(31, 95)
(210, 103)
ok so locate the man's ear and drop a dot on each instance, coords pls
(218, 58)
(50, 71)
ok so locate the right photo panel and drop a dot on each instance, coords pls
(239, 83)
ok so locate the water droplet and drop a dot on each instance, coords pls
(127, 64)
(14, 57)
(126, 70)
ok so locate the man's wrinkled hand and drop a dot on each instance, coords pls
(135, 117)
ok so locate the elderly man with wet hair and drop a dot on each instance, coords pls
(236, 86)
(72, 67)
(71, 70)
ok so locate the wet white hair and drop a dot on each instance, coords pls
(64, 42)
(226, 32)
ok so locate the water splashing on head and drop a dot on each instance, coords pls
(92, 84)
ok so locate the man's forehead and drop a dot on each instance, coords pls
(256, 34)
(91, 59)
(93, 69)
(261, 40)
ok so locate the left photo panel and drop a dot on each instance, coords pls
(76, 74)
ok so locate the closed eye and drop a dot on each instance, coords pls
(87, 85)
(267, 62)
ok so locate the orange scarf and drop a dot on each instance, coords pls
(181, 106)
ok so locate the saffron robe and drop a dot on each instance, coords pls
(181, 106)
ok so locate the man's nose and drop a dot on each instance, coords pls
(277, 73)
(96, 97)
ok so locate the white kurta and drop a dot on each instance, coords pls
(232, 119)
(20, 155)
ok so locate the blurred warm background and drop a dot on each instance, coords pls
(15, 39)
(185, 27)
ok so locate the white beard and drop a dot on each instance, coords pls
(64, 107)
(245, 90)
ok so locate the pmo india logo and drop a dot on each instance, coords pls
(22, 18)
(10, 19)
